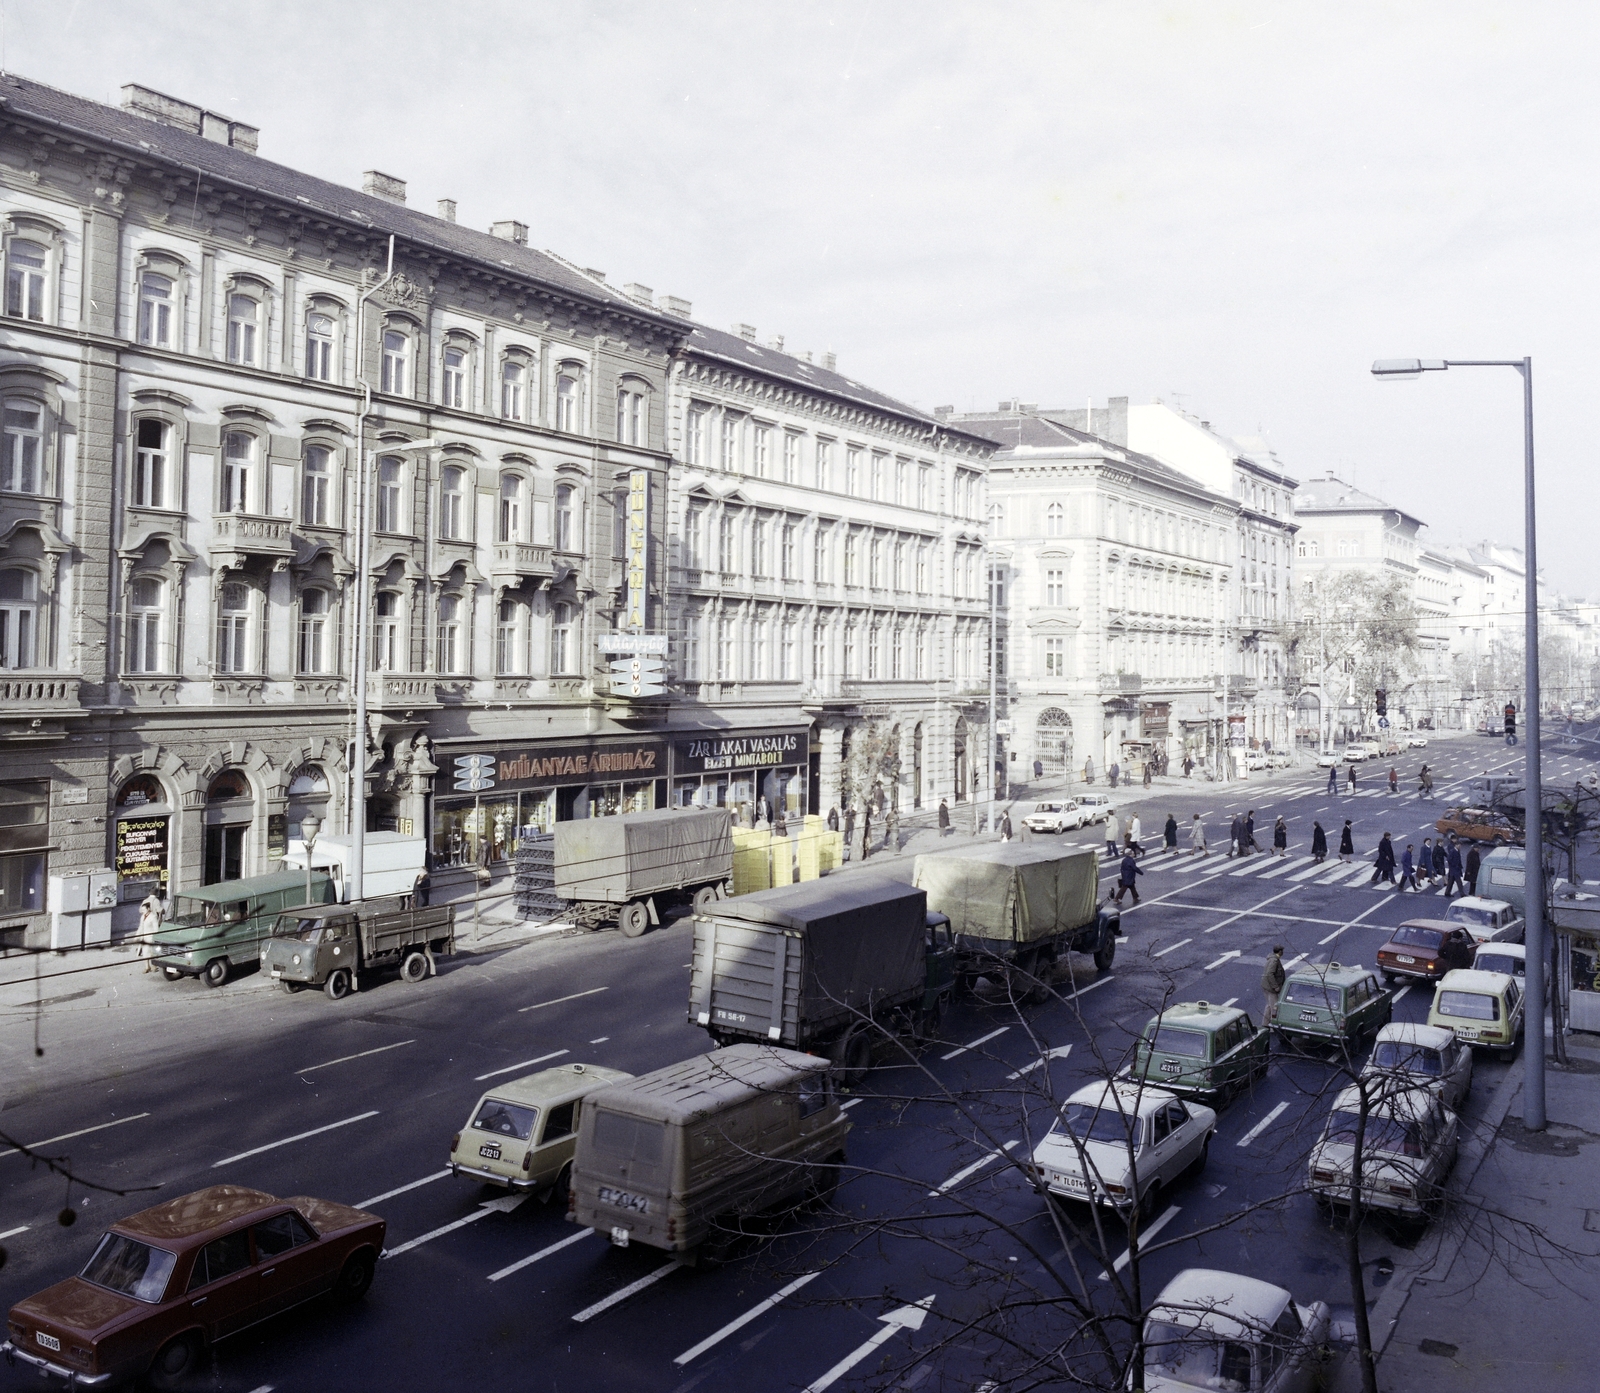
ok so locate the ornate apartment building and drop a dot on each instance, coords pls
(200, 352)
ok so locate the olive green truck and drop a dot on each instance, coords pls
(331, 945)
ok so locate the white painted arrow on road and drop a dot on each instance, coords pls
(504, 1205)
(904, 1318)
(1231, 953)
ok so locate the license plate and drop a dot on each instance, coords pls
(1172, 1067)
(621, 1199)
(277, 972)
(1072, 1182)
(1308, 1015)
(492, 1152)
(48, 1341)
(1401, 958)
(1467, 1032)
(619, 1235)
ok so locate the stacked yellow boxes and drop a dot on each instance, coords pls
(752, 860)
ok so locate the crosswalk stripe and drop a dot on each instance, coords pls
(1285, 863)
(1315, 868)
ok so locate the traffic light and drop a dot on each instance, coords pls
(1383, 701)
(1511, 719)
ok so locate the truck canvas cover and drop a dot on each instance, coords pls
(794, 963)
(1016, 892)
(617, 859)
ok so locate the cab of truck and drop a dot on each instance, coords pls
(214, 930)
(311, 941)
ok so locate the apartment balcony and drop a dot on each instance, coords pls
(515, 561)
(237, 537)
(35, 706)
(1238, 685)
(389, 690)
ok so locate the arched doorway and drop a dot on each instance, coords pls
(1052, 739)
(144, 821)
(230, 809)
(959, 759)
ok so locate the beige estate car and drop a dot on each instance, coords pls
(522, 1133)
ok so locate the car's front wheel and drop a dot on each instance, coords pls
(337, 986)
(177, 1360)
(355, 1279)
(216, 972)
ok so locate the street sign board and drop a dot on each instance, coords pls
(474, 773)
(1383, 723)
(1002, 727)
(632, 643)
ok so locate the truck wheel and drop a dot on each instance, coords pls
(215, 972)
(1107, 954)
(338, 984)
(414, 967)
(704, 898)
(852, 1056)
(633, 919)
(292, 987)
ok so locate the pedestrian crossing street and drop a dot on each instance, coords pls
(1263, 865)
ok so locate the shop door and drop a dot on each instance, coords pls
(224, 854)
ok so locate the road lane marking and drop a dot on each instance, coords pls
(590, 1312)
(1230, 954)
(1171, 948)
(1316, 868)
(973, 1169)
(1376, 904)
(1098, 982)
(12, 1233)
(504, 1205)
(739, 1323)
(82, 1132)
(401, 1189)
(299, 1136)
(512, 1068)
(973, 1044)
(540, 1005)
(1323, 942)
(1285, 864)
(346, 1058)
(1167, 1216)
(1229, 1002)
(1262, 1125)
(1397, 999)
(1061, 1052)
(1260, 904)
(600, 1041)
(1297, 958)
(845, 1107)
(905, 1318)
(541, 1254)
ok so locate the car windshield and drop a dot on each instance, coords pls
(1409, 936)
(1170, 1039)
(1471, 914)
(1507, 963)
(505, 1119)
(1048, 808)
(1312, 993)
(1195, 1358)
(1472, 1006)
(1089, 1123)
(131, 1268)
(307, 930)
(1412, 1058)
(1382, 1133)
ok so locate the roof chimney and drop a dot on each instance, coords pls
(830, 360)
(186, 116)
(384, 186)
(594, 271)
(943, 413)
(677, 305)
(747, 332)
(806, 354)
(510, 231)
(776, 342)
(642, 293)
(447, 209)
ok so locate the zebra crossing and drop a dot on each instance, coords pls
(1265, 866)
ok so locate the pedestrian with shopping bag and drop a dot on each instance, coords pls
(1113, 835)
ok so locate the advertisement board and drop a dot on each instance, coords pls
(142, 848)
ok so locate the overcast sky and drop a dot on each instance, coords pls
(1232, 206)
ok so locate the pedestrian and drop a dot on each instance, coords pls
(1383, 867)
(1088, 770)
(944, 818)
(1394, 779)
(1131, 870)
(1441, 862)
(150, 915)
(1116, 773)
(833, 818)
(1333, 778)
(1236, 837)
(1425, 783)
(1347, 846)
(1280, 837)
(1169, 834)
(1407, 875)
(1249, 832)
(1197, 837)
(1113, 835)
(1425, 862)
(1038, 769)
(1272, 980)
(1452, 866)
(1005, 826)
(1136, 835)
(1352, 777)
(1188, 765)
(866, 830)
(1473, 863)
(1147, 773)
(763, 811)
(1319, 844)
(849, 829)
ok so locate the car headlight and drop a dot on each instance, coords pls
(296, 960)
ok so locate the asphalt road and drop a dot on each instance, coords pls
(172, 1084)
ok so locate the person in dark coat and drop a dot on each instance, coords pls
(1280, 837)
(1333, 778)
(1250, 832)
(1116, 773)
(849, 829)
(1441, 862)
(1473, 863)
(1319, 843)
(1236, 837)
(1169, 834)
(1147, 773)
(1005, 827)
(1394, 779)
(1347, 846)
(1038, 769)
(1452, 868)
(1352, 778)
(1407, 877)
(1383, 867)
(833, 818)
(944, 818)
(1131, 870)
(1425, 862)
(866, 830)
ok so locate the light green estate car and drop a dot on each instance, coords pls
(1335, 1006)
(1201, 1051)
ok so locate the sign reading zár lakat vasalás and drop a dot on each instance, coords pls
(553, 765)
(142, 848)
(705, 754)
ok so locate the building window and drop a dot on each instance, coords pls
(875, 564)
(880, 482)
(786, 552)
(20, 469)
(396, 359)
(852, 472)
(899, 578)
(568, 400)
(852, 560)
(25, 280)
(315, 478)
(452, 502)
(824, 464)
(513, 388)
(902, 482)
(238, 454)
(925, 487)
(391, 478)
(791, 458)
(319, 346)
(155, 310)
(565, 532)
(694, 437)
(633, 419)
(786, 652)
(922, 569)
(244, 325)
(1055, 657)
(147, 606)
(819, 651)
(449, 633)
(233, 628)
(732, 438)
(1055, 521)
(24, 842)
(758, 547)
(695, 538)
(822, 556)
(386, 648)
(511, 512)
(453, 380)
(758, 651)
(691, 647)
(562, 648)
(19, 618)
(510, 639)
(725, 653)
(850, 651)
(1055, 587)
(314, 646)
(874, 644)
(763, 451)
(727, 543)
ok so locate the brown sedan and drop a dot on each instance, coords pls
(1478, 825)
(166, 1282)
(1426, 948)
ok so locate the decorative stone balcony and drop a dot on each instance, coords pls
(24, 693)
(236, 537)
(387, 690)
(514, 561)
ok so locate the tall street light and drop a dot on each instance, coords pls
(1405, 369)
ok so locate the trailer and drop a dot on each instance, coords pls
(629, 868)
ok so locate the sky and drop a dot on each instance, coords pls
(1234, 207)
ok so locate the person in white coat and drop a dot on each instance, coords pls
(1113, 834)
(1197, 837)
(1135, 836)
(151, 913)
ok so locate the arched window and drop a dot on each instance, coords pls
(238, 459)
(321, 338)
(511, 641)
(633, 421)
(155, 309)
(513, 388)
(391, 478)
(26, 264)
(562, 648)
(314, 643)
(564, 509)
(233, 628)
(450, 651)
(569, 398)
(454, 388)
(21, 463)
(150, 464)
(511, 507)
(141, 791)
(452, 503)
(1055, 521)
(19, 618)
(396, 361)
(308, 794)
(316, 479)
(244, 330)
(147, 613)
(386, 644)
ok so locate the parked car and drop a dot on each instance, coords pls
(1211, 1329)
(1483, 1008)
(1417, 742)
(1509, 958)
(1328, 761)
(1478, 825)
(1488, 921)
(1425, 948)
(164, 1284)
(1333, 1005)
(1064, 816)
(214, 930)
(1093, 806)
(1202, 1051)
(1408, 1147)
(1423, 1056)
(1280, 759)
(521, 1134)
(1257, 759)
(1122, 1144)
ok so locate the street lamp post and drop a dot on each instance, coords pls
(310, 825)
(1403, 369)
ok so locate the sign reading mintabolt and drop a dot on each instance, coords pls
(708, 753)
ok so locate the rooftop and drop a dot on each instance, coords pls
(1028, 429)
(1331, 494)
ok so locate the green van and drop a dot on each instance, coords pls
(1336, 1005)
(213, 930)
(1201, 1050)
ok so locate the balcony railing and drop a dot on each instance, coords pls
(402, 689)
(245, 534)
(518, 559)
(38, 691)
